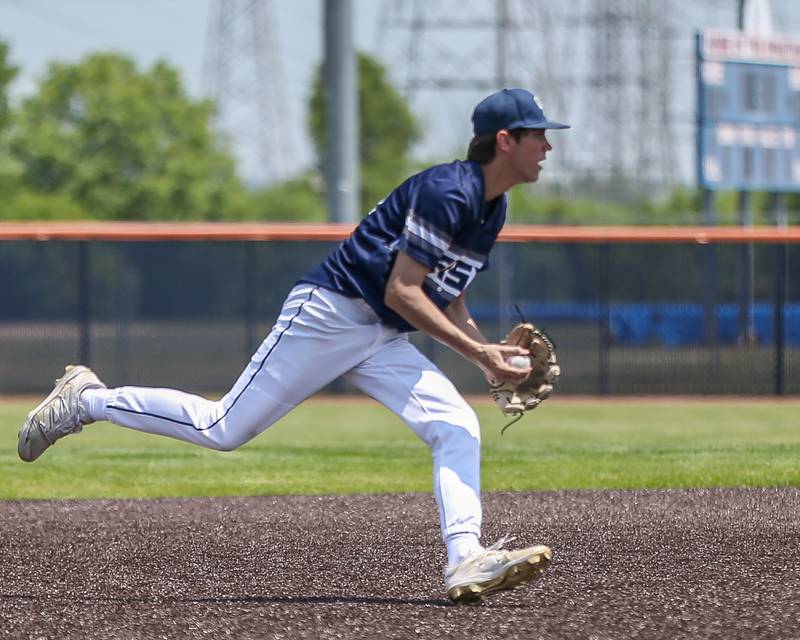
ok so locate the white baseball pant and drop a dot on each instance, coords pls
(319, 336)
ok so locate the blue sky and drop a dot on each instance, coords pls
(175, 30)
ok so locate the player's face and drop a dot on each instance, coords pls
(527, 154)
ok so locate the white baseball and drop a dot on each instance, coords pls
(519, 362)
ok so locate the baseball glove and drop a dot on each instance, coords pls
(515, 400)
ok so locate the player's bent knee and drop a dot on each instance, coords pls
(224, 445)
(466, 419)
(225, 439)
(228, 441)
(447, 435)
(225, 433)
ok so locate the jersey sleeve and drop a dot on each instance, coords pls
(432, 222)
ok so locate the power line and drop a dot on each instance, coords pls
(243, 74)
(473, 47)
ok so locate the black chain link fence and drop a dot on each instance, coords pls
(626, 318)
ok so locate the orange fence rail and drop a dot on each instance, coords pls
(188, 231)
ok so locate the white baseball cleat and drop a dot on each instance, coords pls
(495, 569)
(58, 415)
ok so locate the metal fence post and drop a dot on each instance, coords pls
(747, 331)
(778, 206)
(250, 277)
(605, 318)
(778, 319)
(710, 276)
(84, 303)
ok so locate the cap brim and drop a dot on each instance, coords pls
(553, 125)
(546, 124)
(533, 124)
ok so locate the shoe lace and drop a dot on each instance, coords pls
(60, 428)
(499, 544)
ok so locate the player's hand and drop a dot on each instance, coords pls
(492, 359)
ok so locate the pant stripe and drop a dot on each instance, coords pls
(222, 417)
(151, 415)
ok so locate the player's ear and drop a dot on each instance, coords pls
(502, 140)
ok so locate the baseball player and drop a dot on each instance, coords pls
(405, 267)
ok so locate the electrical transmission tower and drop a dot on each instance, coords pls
(603, 66)
(609, 84)
(243, 75)
(469, 48)
(657, 41)
(629, 88)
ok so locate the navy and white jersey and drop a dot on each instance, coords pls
(440, 218)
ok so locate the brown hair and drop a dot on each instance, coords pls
(482, 148)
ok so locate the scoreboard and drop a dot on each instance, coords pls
(748, 112)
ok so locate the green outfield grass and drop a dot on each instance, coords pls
(341, 446)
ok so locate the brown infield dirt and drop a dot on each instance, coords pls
(627, 564)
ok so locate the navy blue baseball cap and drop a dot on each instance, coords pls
(511, 109)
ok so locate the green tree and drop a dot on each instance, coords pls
(387, 130)
(19, 201)
(7, 74)
(123, 144)
(295, 199)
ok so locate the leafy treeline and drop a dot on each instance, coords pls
(105, 139)
(682, 206)
(100, 139)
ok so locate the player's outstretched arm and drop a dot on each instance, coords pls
(405, 296)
